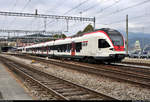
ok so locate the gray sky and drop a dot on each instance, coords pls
(108, 13)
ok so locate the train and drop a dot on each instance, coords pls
(102, 45)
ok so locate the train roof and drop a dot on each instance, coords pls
(70, 39)
(102, 29)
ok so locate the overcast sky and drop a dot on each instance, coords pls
(108, 13)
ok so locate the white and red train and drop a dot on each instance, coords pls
(104, 45)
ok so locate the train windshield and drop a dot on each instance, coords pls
(116, 37)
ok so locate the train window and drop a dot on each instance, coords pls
(116, 38)
(63, 47)
(27, 50)
(55, 47)
(84, 43)
(68, 47)
(52, 47)
(49, 48)
(78, 46)
(38, 48)
(102, 43)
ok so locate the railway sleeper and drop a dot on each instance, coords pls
(50, 78)
(54, 80)
(35, 87)
(47, 95)
(47, 80)
(56, 85)
(58, 88)
(88, 96)
(96, 98)
(83, 97)
(50, 83)
(31, 83)
(77, 93)
(39, 89)
(66, 90)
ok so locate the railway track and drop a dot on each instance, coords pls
(132, 75)
(53, 87)
(135, 63)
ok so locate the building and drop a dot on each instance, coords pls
(137, 46)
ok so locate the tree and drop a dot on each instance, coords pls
(88, 28)
(63, 36)
(60, 36)
(79, 32)
(56, 36)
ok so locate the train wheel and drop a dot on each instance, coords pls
(85, 59)
(80, 60)
(91, 60)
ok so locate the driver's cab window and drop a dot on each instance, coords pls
(102, 43)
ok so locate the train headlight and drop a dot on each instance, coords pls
(112, 49)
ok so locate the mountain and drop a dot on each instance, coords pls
(144, 38)
(38, 35)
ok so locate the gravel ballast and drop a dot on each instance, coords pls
(113, 88)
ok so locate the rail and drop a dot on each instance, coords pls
(59, 88)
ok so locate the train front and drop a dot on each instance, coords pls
(117, 49)
(118, 43)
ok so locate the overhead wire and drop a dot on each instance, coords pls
(15, 4)
(70, 10)
(110, 6)
(76, 7)
(80, 4)
(25, 6)
(116, 2)
(136, 17)
(138, 4)
(87, 9)
(11, 23)
(102, 10)
(120, 21)
(56, 6)
(129, 7)
(47, 11)
(12, 8)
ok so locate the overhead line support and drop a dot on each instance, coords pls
(28, 31)
(45, 16)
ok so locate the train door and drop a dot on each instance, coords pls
(47, 49)
(32, 50)
(42, 50)
(73, 49)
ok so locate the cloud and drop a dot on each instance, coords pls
(132, 25)
(101, 9)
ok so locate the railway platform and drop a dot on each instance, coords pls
(10, 88)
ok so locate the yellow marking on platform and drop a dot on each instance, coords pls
(33, 61)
